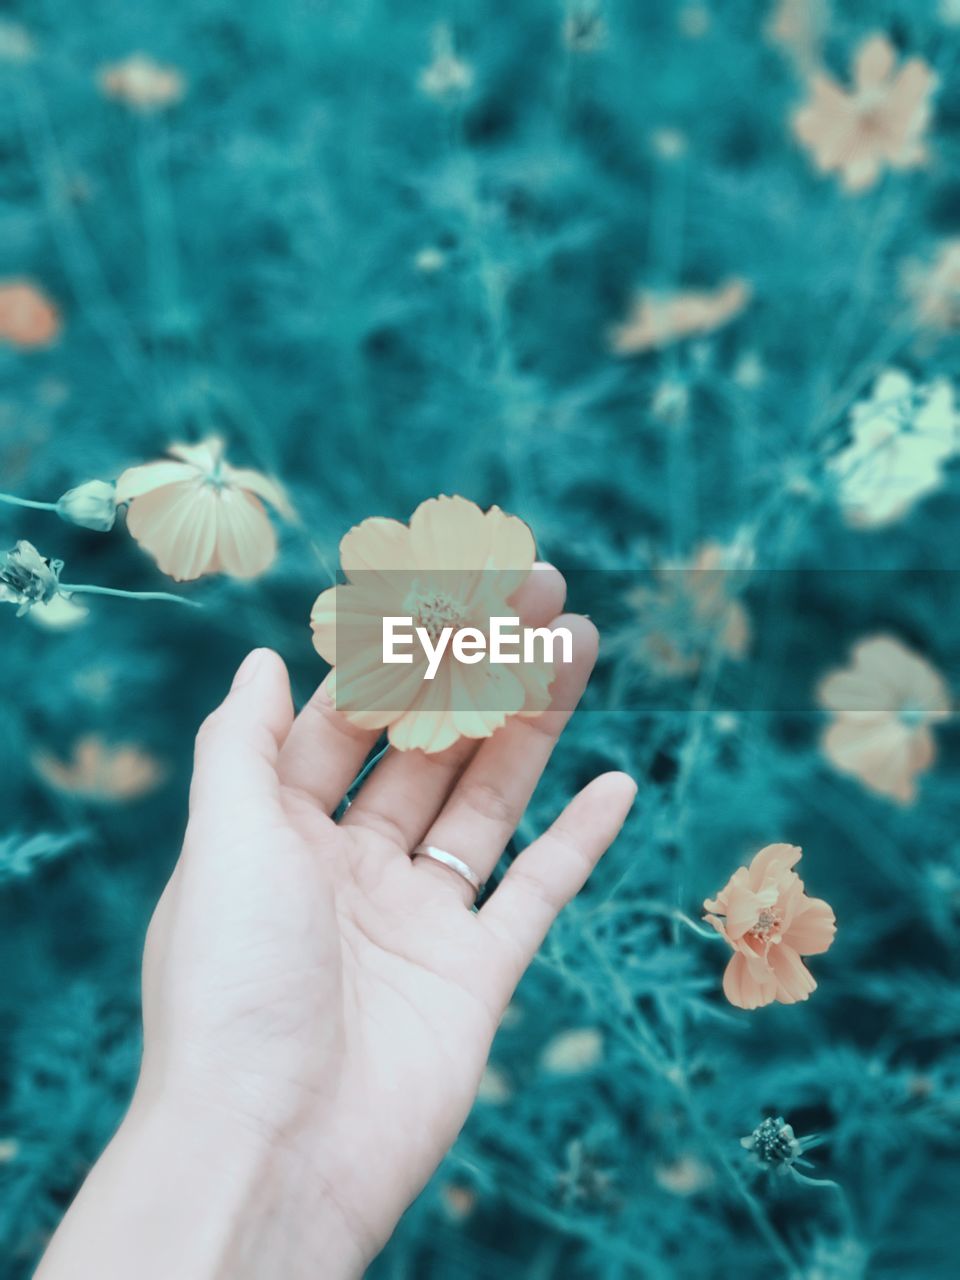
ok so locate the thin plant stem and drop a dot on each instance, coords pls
(27, 502)
(73, 590)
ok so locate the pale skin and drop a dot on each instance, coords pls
(318, 1008)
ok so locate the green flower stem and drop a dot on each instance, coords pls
(26, 502)
(671, 913)
(70, 589)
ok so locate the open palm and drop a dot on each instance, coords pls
(307, 976)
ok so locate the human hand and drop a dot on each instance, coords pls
(320, 1007)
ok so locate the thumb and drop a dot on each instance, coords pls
(235, 782)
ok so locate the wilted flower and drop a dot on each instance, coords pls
(768, 920)
(453, 566)
(199, 515)
(884, 704)
(142, 83)
(447, 75)
(101, 773)
(92, 505)
(572, 1052)
(775, 1146)
(879, 124)
(27, 578)
(659, 318)
(28, 319)
(902, 435)
(936, 288)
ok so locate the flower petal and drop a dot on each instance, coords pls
(748, 985)
(813, 927)
(246, 541)
(794, 981)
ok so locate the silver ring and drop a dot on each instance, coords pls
(452, 862)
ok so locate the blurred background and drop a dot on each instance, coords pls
(579, 259)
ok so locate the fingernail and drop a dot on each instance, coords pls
(248, 669)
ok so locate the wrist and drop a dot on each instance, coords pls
(185, 1189)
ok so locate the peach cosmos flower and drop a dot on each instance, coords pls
(880, 123)
(142, 83)
(198, 515)
(884, 704)
(28, 319)
(101, 773)
(454, 565)
(770, 923)
(659, 318)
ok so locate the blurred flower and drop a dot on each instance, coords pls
(101, 773)
(775, 1146)
(749, 371)
(429, 260)
(884, 704)
(447, 76)
(16, 43)
(694, 20)
(199, 515)
(458, 1201)
(456, 566)
(798, 27)
(671, 401)
(28, 319)
(949, 13)
(880, 123)
(9, 1150)
(659, 318)
(27, 578)
(768, 920)
(936, 288)
(584, 27)
(62, 613)
(572, 1052)
(901, 437)
(685, 1176)
(142, 83)
(494, 1087)
(92, 506)
(691, 610)
(668, 143)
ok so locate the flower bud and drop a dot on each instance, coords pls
(92, 505)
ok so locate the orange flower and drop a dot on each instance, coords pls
(142, 83)
(199, 515)
(880, 123)
(884, 704)
(770, 923)
(101, 773)
(28, 319)
(659, 318)
(454, 565)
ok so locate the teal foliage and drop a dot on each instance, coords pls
(379, 294)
